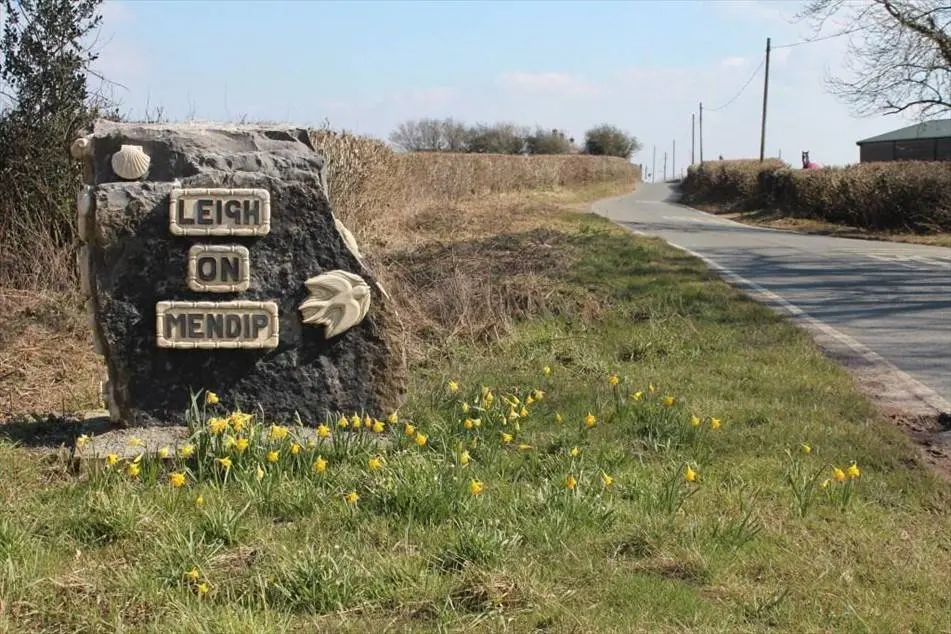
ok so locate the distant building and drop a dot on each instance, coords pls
(926, 141)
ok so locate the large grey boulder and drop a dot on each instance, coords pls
(314, 334)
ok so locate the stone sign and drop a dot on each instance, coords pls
(211, 259)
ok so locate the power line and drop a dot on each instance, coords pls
(823, 38)
(745, 86)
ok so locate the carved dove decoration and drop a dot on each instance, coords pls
(338, 299)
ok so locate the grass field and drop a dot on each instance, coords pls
(605, 498)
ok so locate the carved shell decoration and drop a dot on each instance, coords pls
(131, 162)
(338, 299)
(348, 239)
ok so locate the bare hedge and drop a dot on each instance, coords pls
(908, 195)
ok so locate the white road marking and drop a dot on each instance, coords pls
(905, 382)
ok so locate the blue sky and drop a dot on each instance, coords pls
(366, 66)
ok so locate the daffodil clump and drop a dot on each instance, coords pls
(808, 477)
(476, 443)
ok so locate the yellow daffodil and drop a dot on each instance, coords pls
(343, 423)
(476, 487)
(259, 474)
(217, 425)
(607, 480)
(690, 475)
(320, 465)
(239, 420)
(81, 441)
(202, 589)
(613, 380)
(356, 422)
(278, 432)
(420, 439)
(453, 386)
(590, 420)
(854, 471)
(695, 421)
(375, 463)
(488, 399)
(465, 407)
(176, 479)
(477, 422)
(523, 413)
(570, 482)
(668, 401)
(295, 449)
(273, 456)
(538, 394)
(135, 441)
(575, 452)
(506, 438)
(193, 574)
(524, 447)
(163, 453)
(806, 448)
(199, 501)
(715, 423)
(352, 497)
(393, 418)
(230, 442)
(513, 415)
(112, 459)
(323, 431)
(468, 424)
(378, 427)
(409, 430)
(529, 399)
(224, 462)
(636, 396)
(211, 398)
(242, 444)
(464, 458)
(558, 418)
(134, 469)
(838, 474)
(546, 371)
(186, 450)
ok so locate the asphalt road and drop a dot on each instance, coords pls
(893, 299)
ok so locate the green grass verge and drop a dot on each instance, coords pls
(281, 550)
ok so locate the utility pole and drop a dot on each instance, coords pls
(701, 133)
(665, 167)
(673, 162)
(653, 163)
(693, 135)
(762, 135)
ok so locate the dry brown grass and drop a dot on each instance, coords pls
(46, 359)
(465, 245)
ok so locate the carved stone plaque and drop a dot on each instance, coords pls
(216, 325)
(216, 268)
(219, 212)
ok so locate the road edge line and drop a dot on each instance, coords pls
(911, 386)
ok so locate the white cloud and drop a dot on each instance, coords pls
(561, 84)
(733, 61)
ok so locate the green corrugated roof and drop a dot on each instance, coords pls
(925, 130)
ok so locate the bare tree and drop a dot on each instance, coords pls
(899, 55)
(454, 135)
